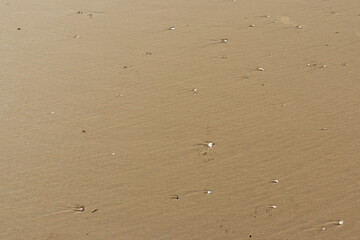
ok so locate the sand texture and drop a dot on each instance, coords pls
(106, 115)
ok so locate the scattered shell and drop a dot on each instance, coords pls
(272, 206)
(275, 181)
(211, 145)
(299, 27)
(251, 25)
(79, 12)
(224, 40)
(340, 222)
(208, 192)
(175, 197)
(195, 90)
(171, 28)
(260, 69)
(323, 129)
(323, 229)
(94, 210)
(113, 154)
(79, 209)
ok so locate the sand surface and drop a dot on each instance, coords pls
(98, 113)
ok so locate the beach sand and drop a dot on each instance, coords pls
(101, 127)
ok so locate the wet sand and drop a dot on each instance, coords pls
(101, 127)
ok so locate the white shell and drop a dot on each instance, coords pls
(171, 28)
(224, 40)
(340, 222)
(211, 145)
(260, 69)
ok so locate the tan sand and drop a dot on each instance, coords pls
(100, 125)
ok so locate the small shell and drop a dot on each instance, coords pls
(80, 209)
(211, 145)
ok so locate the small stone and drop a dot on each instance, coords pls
(79, 12)
(251, 25)
(19, 28)
(299, 27)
